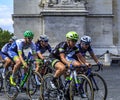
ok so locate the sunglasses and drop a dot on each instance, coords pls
(46, 41)
(30, 38)
(87, 44)
(74, 40)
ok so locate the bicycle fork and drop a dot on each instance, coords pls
(94, 83)
(78, 83)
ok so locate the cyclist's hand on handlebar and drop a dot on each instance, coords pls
(88, 64)
(100, 65)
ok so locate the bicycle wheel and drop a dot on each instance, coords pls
(33, 87)
(85, 87)
(1, 82)
(99, 86)
(10, 90)
(47, 93)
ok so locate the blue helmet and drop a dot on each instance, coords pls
(44, 38)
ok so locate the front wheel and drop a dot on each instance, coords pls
(99, 86)
(10, 90)
(84, 87)
(33, 85)
(48, 93)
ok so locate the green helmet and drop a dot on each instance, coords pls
(28, 34)
(72, 35)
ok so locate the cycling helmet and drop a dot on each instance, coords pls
(72, 35)
(28, 34)
(43, 38)
(86, 39)
(14, 38)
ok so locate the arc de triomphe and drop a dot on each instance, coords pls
(99, 19)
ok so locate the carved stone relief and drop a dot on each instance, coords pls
(51, 3)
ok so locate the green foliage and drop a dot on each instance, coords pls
(5, 35)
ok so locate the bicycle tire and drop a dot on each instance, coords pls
(1, 82)
(33, 90)
(86, 85)
(8, 88)
(101, 85)
(47, 93)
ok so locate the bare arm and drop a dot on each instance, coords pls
(82, 59)
(94, 57)
(40, 56)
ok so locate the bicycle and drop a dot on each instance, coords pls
(44, 69)
(29, 78)
(98, 83)
(74, 86)
(1, 77)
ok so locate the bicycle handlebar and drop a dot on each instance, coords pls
(99, 67)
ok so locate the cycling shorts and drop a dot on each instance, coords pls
(54, 60)
(13, 55)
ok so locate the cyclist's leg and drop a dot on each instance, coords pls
(7, 62)
(60, 69)
(73, 61)
(16, 65)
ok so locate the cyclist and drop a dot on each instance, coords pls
(4, 54)
(42, 46)
(85, 46)
(16, 52)
(59, 53)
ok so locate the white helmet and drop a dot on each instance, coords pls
(13, 38)
(44, 38)
(86, 39)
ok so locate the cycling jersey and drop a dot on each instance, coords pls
(83, 51)
(18, 46)
(40, 49)
(64, 48)
(4, 50)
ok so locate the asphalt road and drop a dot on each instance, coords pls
(110, 74)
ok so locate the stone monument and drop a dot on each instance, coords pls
(99, 19)
(61, 16)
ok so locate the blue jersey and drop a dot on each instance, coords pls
(40, 49)
(83, 51)
(19, 45)
(5, 48)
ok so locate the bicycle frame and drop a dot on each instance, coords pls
(73, 76)
(27, 74)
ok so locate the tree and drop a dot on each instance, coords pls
(5, 35)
